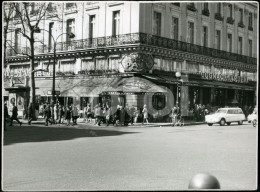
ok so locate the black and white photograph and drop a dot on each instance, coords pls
(129, 95)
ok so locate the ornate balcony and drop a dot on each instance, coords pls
(218, 17)
(205, 12)
(145, 39)
(250, 28)
(191, 7)
(230, 20)
(241, 24)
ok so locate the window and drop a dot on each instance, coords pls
(205, 36)
(175, 28)
(218, 39)
(241, 15)
(230, 10)
(219, 8)
(157, 23)
(250, 47)
(158, 101)
(176, 4)
(240, 45)
(17, 41)
(250, 20)
(50, 35)
(206, 5)
(229, 43)
(191, 32)
(92, 23)
(116, 23)
(70, 28)
(69, 5)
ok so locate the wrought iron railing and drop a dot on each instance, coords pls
(146, 39)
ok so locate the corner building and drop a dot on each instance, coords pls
(128, 53)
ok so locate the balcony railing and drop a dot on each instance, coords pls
(230, 20)
(146, 39)
(205, 12)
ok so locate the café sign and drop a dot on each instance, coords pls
(221, 77)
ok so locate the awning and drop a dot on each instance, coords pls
(135, 85)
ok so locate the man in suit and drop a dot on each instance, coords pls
(15, 115)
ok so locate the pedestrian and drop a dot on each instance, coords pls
(85, 113)
(55, 113)
(30, 114)
(174, 114)
(145, 114)
(107, 114)
(98, 114)
(6, 115)
(75, 115)
(131, 114)
(68, 115)
(89, 113)
(14, 115)
(136, 115)
(47, 115)
(122, 116)
(117, 115)
(61, 114)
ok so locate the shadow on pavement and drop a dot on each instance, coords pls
(24, 134)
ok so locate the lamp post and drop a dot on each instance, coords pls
(178, 75)
(70, 35)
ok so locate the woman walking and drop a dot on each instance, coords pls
(75, 115)
(145, 115)
(68, 115)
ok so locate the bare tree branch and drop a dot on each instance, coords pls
(17, 52)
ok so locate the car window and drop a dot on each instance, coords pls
(240, 112)
(230, 111)
(221, 111)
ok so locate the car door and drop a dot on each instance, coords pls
(229, 116)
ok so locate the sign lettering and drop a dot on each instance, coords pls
(220, 77)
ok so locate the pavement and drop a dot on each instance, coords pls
(81, 121)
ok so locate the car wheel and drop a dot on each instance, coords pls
(240, 122)
(222, 122)
(229, 123)
(210, 124)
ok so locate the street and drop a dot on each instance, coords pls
(128, 158)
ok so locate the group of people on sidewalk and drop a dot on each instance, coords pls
(116, 115)
(58, 114)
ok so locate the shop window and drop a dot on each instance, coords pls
(83, 102)
(158, 101)
(121, 100)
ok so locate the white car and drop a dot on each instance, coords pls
(252, 117)
(226, 116)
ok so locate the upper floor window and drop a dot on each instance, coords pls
(157, 18)
(250, 48)
(250, 19)
(241, 15)
(70, 28)
(116, 23)
(229, 43)
(240, 45)
(191, 32)
(206, 5)
(205, 36)
(175, 28)
(176, 4)
(17, 40)
(218, 39)
(92, 24)
(230, 10)
(219, 8)
(69, 5)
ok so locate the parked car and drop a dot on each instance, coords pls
(252, 117)
(226, 116)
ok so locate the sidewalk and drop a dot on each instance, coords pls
(81, 121)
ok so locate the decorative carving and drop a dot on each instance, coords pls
(137, 62)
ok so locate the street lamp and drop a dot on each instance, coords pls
(70, 35)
